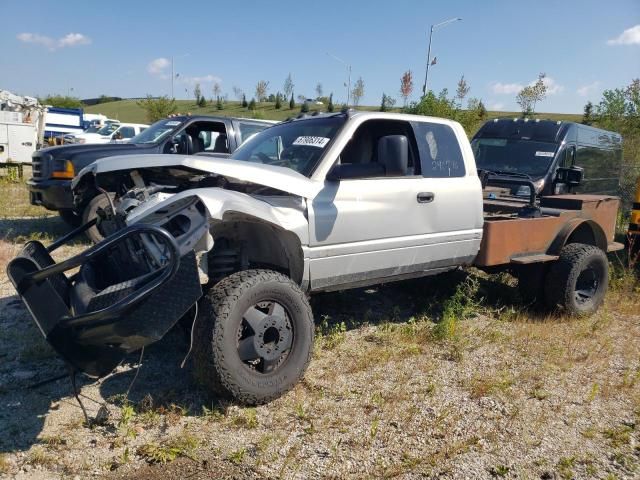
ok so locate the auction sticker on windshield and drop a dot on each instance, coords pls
(173, 123)
(311, 141)
(544, 154)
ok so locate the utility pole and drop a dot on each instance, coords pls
(433, 27)
(348, 75)
(172, 77)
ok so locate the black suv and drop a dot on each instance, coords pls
(55, 167)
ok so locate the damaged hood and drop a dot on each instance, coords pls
(279, 178)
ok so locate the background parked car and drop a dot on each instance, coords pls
(110, 132)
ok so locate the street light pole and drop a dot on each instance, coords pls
(172, 77)
(433, 27)
(348, 75)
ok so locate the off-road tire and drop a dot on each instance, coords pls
(70, 218)
(90, 212)
(561, 281)
(217, 365)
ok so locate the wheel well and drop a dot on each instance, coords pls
(586, 231)
(257, 244)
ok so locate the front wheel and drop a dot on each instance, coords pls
(100, 202)
(253, 336)
(577, 282)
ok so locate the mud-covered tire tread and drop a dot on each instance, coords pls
(563, 274)
(216, 306)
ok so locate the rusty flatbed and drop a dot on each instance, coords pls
(510, 239)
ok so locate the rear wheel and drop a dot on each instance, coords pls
(578, 281)
(100, 202)
(70, 218)
(253, 336)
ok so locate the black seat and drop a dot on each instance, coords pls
(197, 144)
(221, 144)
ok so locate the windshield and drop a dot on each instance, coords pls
(108, 129)
(92, 130)
(156, 132)
(514, 155)
(297, 145)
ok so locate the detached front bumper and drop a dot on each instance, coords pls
(114, 304)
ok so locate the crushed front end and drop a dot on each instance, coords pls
(123, 294)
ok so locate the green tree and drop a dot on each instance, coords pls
(319, 90)
(61, 101)
(278, 104)
(288, 86)
(587, 116)
(197, 92)
(202, 102)
(531, 95)
(304, 108)
(462, 90)
(387, 103)
(252, 105)
(219, 104)
(292, 103)
(330, 106)
(261, 90)
(157, 108)
(244, 101)
(482, 111)
(358, 91)
(217, 90)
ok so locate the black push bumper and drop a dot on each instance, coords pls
(51, 194)
(115, 304)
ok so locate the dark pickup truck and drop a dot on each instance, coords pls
(54, 168)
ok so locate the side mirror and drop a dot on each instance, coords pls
(393, 153)
(571, 176)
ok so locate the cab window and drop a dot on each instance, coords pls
(440, 154)
(362, 149)
(127, 132)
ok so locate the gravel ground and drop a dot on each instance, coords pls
(508, 394)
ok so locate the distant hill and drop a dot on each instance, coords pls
(128, 111)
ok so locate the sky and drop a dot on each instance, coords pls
(124, 48)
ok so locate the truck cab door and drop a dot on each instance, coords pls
(386, 224)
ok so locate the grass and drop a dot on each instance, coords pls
(5, 467)
(38, 456)
(128, 111)
(14, 201)
(246, 418)
(184, 445)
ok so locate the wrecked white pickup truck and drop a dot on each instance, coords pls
(313, 204)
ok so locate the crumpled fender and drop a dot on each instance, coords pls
(222, 204)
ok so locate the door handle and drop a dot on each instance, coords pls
(426, 197)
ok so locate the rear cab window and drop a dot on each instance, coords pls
(440, 154)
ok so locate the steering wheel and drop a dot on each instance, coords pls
(296, 154)
(263, 157)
